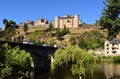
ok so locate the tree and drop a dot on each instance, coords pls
(9, 29)
(79, 60)
(58, 34)
(25, 27)
(50, 28)
(14, 63)
(110, 18)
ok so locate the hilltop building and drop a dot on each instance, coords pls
(112, 47)
(41, 22)
(68, 21)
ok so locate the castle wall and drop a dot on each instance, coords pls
(68, 21)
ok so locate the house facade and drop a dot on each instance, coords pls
(68, 21)
(112, 47)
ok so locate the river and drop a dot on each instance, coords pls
(102, 71)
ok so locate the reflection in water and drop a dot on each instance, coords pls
(112, 71)
(102, 71)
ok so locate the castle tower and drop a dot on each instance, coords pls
(76, 21)
(56, 22)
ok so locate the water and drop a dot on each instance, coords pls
(102, 71)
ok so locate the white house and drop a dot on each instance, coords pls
(112, 47)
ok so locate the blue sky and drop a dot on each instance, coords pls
(22, 10)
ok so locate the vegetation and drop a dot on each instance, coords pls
(91, 40)
(108, 59)
(79, 60)
(61, 32)
(25, 27)
(110, 18)
(9, 29)
(116, 59)
(51, 27)
(14, 63)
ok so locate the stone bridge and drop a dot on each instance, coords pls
(40, 55)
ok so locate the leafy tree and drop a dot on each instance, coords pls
(62, 32)
(58, 34)
(9, 29)
(25, 27)
(79, 60)
(50, 28)
(14, 63)
(110, 18)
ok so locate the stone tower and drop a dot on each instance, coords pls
(56, 21)
(76, 21)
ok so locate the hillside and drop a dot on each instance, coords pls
(40, 36)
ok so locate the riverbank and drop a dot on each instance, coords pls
(108, 59)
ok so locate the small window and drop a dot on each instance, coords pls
(107, 44)
(114, 52)
(68, 20)
(107, 48)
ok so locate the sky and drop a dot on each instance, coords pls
(21, 10)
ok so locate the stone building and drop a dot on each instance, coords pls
(41, 22)
(68, 21)
(112, 47)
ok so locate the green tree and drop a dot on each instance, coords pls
(9, 29)
(110, 18)
(25, 27)
(58, 34)
(50, 28)
(14, 63)
(79, 60)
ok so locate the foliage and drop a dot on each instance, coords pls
(79, 60)
(58, 34)
(104, 59)
(116, 59)
(91, 40)
(50, 28)
(61, 32)
(108, 59)
(14, 63)
(9, 29)
(25, 27)
(110, 18)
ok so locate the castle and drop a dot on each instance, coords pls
(68, 21)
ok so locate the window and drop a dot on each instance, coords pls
(107, 48)
(107, 44)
